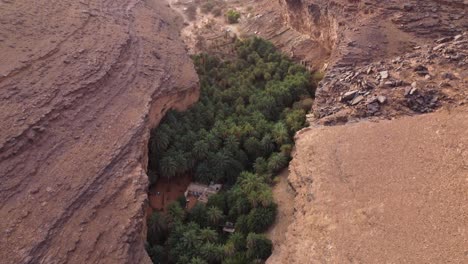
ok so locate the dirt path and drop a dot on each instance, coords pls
(284, 197)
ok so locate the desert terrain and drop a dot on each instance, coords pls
(81, 84)
(379, 176)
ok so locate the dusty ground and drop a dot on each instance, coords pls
(165, 191)
(381, 192)
(284, 197)
(209, 33)
(81, 83)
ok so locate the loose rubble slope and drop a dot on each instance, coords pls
(81, 84)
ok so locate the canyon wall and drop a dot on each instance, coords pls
(380, 173)
(81, 85)
(380, 192)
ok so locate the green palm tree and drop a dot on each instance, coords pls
(265, 197)
(229, 249)
(267, 144)
(212, 252)
(249, 182)
(190, 239)
(200, 149)
(280, 133)
(214, 215)
(175, 212)
(277, 162)
(157, 222)
(168, 167)
(208, 235)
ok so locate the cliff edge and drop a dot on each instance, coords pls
(81, 84)
(381, 173)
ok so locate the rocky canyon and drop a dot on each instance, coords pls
(380, 175)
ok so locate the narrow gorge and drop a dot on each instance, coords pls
(378, 172)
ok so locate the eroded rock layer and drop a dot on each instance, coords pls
(370, 190)
(384, 48)
(81, 84)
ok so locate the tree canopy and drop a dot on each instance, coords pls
(240, 134)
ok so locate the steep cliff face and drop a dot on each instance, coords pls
(419, 43)
(370, 190)
(317, 19)
(81, 84)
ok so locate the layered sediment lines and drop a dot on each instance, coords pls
(81, 84)
(376, 181)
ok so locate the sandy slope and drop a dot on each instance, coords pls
(81, 83)
(381, 192)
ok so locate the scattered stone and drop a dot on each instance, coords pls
(357, 100)
(431, 56)
(444, 40)
(373, 108)
(445, 85)
(371, 100)
(408, 7)
(427, 77)
(458, 37)
(389, 84)
(414, 85)
(448, 76)
(39, 128)
(439, 47)
(407, 91)
(381, 99)
(25, 213)
(34, 191)
(396, 60)
(421, 70)
(349, 95)
(384, 74)
(398, 83)
(410, 91)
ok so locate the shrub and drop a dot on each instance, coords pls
(233, 16)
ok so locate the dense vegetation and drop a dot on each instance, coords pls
(239, 134)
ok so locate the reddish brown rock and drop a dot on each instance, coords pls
(81, 84)
(380, 192)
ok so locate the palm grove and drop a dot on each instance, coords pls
(240, 134)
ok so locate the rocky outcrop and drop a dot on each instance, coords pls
(420, 81)
(81, 84)
(369, 37)
(317, 19)
(370, 190)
